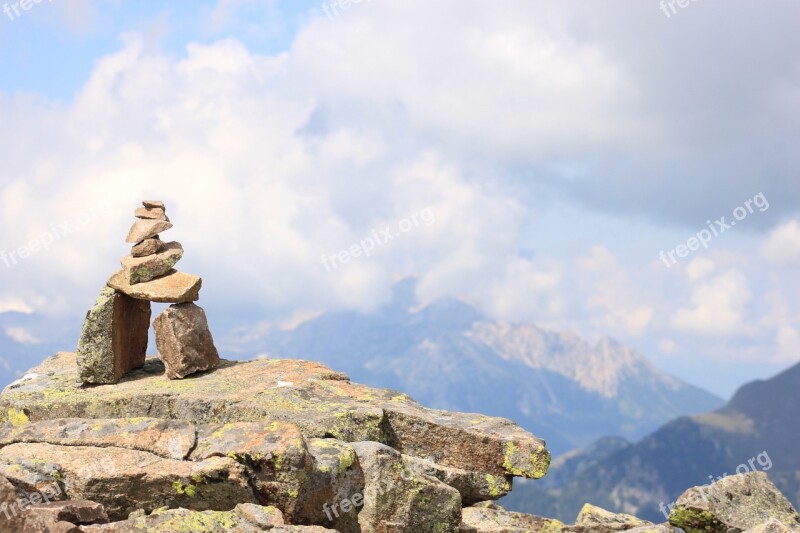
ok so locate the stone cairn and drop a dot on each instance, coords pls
(114, 337)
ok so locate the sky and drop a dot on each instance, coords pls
(623, 169)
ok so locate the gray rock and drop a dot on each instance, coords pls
(146, 229)
(738, 502)
(185, 344)
(147, 247)
(770, 526)
(397, 499)
(143, 269)
(114, 337)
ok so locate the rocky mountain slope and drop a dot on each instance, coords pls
(449, 356)
(756, 431)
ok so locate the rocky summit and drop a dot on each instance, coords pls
(289, 445)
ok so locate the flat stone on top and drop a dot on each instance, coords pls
(155, 213)
(145, 229)
(173, 287)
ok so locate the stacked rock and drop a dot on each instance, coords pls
(114, 337)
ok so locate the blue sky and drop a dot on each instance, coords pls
(561, 147)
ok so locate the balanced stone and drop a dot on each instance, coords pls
(147, 247)
(173, 287)
(155, 213)
(114, 337)
(146, 229)
(153, 204)
(185, 344)
(142, 269)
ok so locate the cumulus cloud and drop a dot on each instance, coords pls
(718, 306)
(783, 244)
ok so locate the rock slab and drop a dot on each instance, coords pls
(173, 287)
(146, 229)
(185, 344)
(114, 337)
(147, 247)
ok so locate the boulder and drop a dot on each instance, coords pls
(320, 402)
(184, 342)
(147, 247)
(146, 229)
(737, 502)
(114, 337)
(142, 269)
(397, 499)
(125, 480)
(172, 287)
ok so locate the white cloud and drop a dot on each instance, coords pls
(21, 335)
(15, 305)
(788, 343)
(699, 268)
(718, 306)
(783, 244)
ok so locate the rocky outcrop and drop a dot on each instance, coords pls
(738, 503)
(292, 435)
(286, 445)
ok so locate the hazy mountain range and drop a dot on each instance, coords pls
(447, 355)
(757, 430)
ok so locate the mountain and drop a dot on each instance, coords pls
(451, 357)
(756, 430)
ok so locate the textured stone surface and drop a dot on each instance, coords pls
(154, 213)
(114, 337)
(275, 453)
(172, 287)
(147, 247)
(770, 526)
(601, 521)
(74, 511)
(185, 344)
(321, 402)
(473, 486)
(125, 480)
(171, 439)
(486, 520)
(146, 229)
(243, 518)
(397, 499)
(142, 269)
(739, 502)
(336, 476)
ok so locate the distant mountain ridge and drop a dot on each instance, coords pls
(757, 429)
(447, 355)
